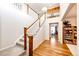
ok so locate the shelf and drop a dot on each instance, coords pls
(70, 34)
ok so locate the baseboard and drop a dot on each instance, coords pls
(7, 47)
(38, 45)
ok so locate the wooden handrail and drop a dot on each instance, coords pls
(25, 38)
(30, 45)
(32, 23)
(30, 42)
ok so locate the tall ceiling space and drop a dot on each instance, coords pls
(38, 6)
(72, 11)
(71, 14)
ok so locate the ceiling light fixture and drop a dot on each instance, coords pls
(44, 9)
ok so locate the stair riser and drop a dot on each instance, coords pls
(21, 40)
(20, 44)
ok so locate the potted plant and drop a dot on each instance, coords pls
(65, 22)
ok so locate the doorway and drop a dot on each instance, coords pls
(53, 32)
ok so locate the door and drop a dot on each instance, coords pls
(53, 31)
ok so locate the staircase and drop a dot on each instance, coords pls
(29, 38)
(17, 50)
(25, 43)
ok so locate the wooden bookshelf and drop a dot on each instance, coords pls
(70, 34)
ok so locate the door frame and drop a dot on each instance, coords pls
(50, 30)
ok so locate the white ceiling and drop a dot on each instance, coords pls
(72, 12)
(38, 6)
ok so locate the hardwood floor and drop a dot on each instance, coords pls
(52, 49)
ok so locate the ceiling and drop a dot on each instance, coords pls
(72, 11)
(38, 6)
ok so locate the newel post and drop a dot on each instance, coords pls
(25, 38)
(30, 45)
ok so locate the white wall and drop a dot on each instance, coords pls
(33, 14)
(39, 38)
(60, 32)
(50, 20)
(12, 24)
(42, 19)
(63, 8)
(35, 26)
(53, 20)
(71, 16)
(0, 31)
(77, 29)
